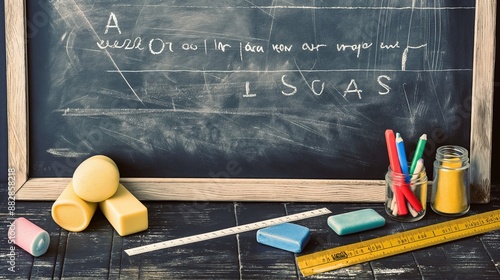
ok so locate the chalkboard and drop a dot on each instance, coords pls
(253, 92)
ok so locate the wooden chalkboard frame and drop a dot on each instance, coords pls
(227, 189)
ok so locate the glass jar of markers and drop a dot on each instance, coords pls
(451, 190)
(406, 195)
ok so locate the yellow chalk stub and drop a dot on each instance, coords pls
(96, 178)
(71, 212)
(125, 212)
(451, 196)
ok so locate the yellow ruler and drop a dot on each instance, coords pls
(398, 243)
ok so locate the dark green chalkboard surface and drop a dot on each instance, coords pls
(246, 89)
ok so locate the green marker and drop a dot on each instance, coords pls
(418, 152)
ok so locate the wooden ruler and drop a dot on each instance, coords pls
(398, 243)
(226, 231)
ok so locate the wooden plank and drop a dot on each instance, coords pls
(490, 239)
(402, 266)
(69, 253)
(226, 189)
(482, 101)
(256, 258)
(492, 246)
(431, 262)
(17, 99)
(468, 260)
(61, 242)
(213, 259)
(87, 254)
(117, 268)
(322, 238)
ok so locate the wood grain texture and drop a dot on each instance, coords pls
(482, 100)
(192, 189)
(217, 258)
(17, 102)
(254, 257)
(97, 252)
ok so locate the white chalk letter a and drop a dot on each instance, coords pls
(112, 17)
(353, 87)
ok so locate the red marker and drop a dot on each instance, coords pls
(390, 140)
(412, 199)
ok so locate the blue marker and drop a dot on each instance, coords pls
(400, 146)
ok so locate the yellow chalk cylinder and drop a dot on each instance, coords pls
(450, 194)
(96, 178)
(125, 212)
(71, 212)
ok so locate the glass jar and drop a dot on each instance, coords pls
(406, 196)
(451, 190)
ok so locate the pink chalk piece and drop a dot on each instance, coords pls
(29, 236)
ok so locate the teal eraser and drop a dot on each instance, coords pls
(356, 221)
(287, 236)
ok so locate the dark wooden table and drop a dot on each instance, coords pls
(98, 252)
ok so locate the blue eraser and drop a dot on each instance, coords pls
(355, 221)
(287, 236)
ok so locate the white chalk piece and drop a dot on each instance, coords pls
(29, 237)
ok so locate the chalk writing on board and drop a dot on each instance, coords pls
(159, 46)
(297, 90)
